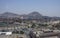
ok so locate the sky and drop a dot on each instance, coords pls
(44, 7)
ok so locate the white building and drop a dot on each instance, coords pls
(5, 33)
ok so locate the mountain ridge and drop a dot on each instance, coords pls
(32, 15)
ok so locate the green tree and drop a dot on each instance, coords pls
(57, 26)
(21, 32)
(33, 25)
(43, 25)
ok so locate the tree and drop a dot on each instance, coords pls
(16, 32)
(57, 26)
(33, 25)
(43, 25)
(21, 32)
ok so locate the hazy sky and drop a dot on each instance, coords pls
(45, 7)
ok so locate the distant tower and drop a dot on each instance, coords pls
(22, 19)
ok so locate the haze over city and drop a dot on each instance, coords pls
(29, 18)
(45, 7)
